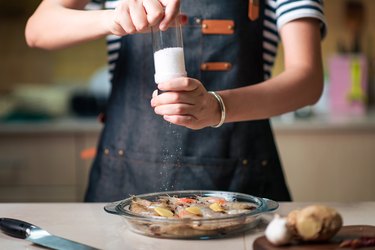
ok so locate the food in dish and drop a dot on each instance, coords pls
(189, 207)
(191, 210)
(191, 214)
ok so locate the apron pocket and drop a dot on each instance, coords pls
(262, 178)
(250, 177)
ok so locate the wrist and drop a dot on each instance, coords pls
(107, 22)
(221, 110)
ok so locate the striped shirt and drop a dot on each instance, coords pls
(276, 14)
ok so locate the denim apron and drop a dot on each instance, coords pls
(139, 152)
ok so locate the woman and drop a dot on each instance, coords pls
(229, 48)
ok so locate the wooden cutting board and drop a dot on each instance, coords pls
(346, 233)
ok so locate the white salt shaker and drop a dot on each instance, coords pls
(168, 52)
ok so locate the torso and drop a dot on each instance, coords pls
(139, 152)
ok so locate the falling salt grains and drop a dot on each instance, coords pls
(164, 171)
(171, 157)
(178, 148)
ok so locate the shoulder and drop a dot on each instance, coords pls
(288, 10)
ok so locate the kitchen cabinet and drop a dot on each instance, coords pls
(37, 167)
(329, 159)
(324, 160)
(41, 162)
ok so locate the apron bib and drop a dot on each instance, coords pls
(139, 152)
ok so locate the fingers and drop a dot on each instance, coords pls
(171, 104)
(123, 19)
(179, 115)
(185, 103)
(175, 109)
(135, 16)
(180, 84)
(138, 15)
(179, 90)
(182, 114)
(172, 8)
(171, 98)
(155, 93)
(183, 120)
(154, 11)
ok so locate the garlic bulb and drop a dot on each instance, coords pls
(277, 231)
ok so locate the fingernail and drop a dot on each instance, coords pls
(155, 93)
(163, 27)
(160, 86)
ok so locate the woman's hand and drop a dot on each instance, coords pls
(134, 16)
(60, 24)
(186, 103)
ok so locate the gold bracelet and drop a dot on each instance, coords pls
(222, 108)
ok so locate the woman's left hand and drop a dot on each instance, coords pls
(186, 102)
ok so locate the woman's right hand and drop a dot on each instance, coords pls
(135, 16)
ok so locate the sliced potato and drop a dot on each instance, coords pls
(163, 212)
(194, 210)
(216, 207)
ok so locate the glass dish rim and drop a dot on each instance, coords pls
(117, 207)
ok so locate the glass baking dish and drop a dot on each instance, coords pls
(187, 228)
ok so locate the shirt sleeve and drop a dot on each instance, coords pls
(94, 5)
(289, 10)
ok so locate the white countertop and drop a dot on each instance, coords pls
(88, 223)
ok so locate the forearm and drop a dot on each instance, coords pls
(292, 89)
(299, 85)
(54, 26)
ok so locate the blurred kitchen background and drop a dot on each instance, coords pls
(50, 100)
